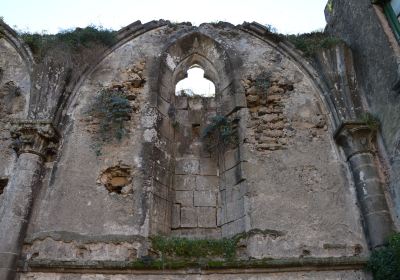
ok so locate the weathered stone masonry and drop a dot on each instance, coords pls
(296, 180)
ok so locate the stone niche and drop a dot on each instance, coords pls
(198, 173)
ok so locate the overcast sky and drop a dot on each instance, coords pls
(287, 16)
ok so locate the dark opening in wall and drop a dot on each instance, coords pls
(3, 184)
(195, 84)
(117, 179)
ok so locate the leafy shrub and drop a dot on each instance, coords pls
(112, 108)
(262, 81)
(73, 39)
(310, 43)
(385, 262)
(220, 132)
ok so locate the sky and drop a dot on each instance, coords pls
(52, 16)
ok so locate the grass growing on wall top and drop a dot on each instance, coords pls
(310, 43)
(72, 39)
(195, 249)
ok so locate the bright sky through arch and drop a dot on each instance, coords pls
(196, 84)
(287, 16)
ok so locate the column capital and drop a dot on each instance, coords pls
(34, 136)
(356, 137)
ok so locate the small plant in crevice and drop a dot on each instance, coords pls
(384, 263)
(263, 81)
(329, 6)
(370, 120)
(220, 133)
(112, 108)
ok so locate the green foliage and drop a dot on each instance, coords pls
(112, 108)
(385, 262)
(220, 132)
(370, 120)
(73, 39)
(263, 82)
(329, 6)
(310, 43)
(194, 248)
(207, 251)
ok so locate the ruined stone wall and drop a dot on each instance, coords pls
(283, 174)
(256, 165)
(329, 275)
(14, 99)
(364, 27)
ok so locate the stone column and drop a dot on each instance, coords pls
(32, 141)
(358, 142)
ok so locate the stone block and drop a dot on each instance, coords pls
(187, 166)
(231, 158)
(188, 217)
(160, 209)
(165, 92)
(205, 198)
(184, 198)
(235, 227)
(221, 213)
(233, 176)
(160, 190)
(181, 102)
(195, 104)
(165, 128)
(182, 117)
(208, 166)
(207, 217)
(207, 183)
(163, 106)
(184, 182)
(233, 194)
(176, 216)
(234, 210)
(162, 175)
(195, 117)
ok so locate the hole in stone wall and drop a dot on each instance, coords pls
(195, 84)
(195, 130)
(117, 179)
(3, 184)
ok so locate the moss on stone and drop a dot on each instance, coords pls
(225, 248)
(370, 120)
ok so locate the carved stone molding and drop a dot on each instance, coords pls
(358, 142)
(33, 136)
(355, 138)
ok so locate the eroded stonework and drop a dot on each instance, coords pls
(257, 166)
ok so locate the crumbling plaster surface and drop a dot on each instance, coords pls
(14, 98)
(364, 27)
(301, 189)
(327, 275)
(72, 201)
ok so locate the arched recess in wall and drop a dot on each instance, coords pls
(187, 118)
